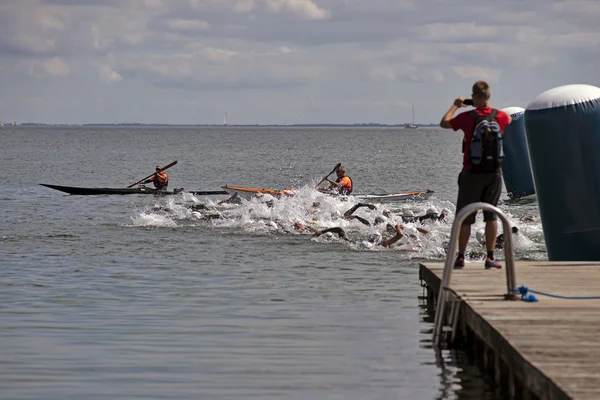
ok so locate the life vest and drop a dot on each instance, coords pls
(160, 179)
(345, 189)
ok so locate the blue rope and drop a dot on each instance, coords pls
(529, 297)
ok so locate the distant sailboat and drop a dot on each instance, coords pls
(412, 126)
(225, 119)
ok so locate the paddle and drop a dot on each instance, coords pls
(208, 192)
(332, 171)
(143, 179)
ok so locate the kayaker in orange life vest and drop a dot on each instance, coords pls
(160, 179)
(343, 183)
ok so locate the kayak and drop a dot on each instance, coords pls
(82, 191)
(392, 197)
(248, 193)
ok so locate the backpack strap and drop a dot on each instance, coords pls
(474, 114)
(493, 113)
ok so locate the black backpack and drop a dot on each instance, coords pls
(486, 144)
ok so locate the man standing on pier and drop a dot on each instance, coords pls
(481, 177)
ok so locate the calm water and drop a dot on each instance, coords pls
(139, 297)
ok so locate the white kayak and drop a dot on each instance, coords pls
(248, 192)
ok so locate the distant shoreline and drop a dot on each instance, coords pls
(364, 125)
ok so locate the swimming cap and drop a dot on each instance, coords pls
(480, 235)
(375, 238)
(432, 211)
(366, 244)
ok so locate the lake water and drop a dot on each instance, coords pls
(140, 297)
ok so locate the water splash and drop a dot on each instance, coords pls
(309, 210)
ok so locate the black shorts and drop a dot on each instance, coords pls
(474, 188)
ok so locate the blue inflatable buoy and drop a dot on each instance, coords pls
(563, 135)
(516, 168)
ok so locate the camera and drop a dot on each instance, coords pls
(468, 102)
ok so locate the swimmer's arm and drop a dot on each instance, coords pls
(339, 231)
(399, 235)
(356, 207)
(364, 221)
(351, 211)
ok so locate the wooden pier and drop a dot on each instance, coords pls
(549, 349)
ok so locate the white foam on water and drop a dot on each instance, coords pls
(268, 215)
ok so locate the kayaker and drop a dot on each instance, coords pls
(343, 183)
(160, 179)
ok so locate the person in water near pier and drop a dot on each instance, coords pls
(160, 179)
(499, 239)
(432, 214)
(374, 240)
(481, 177)
(343, 183)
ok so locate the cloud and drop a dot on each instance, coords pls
(302, 8)
(442, 32)
(243, 6)
(476, 72)
(108, 75)
(48, 67)
(260, 55)
(403, 72)
(188, 25)
(218, 55)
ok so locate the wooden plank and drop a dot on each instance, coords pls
(552, 344)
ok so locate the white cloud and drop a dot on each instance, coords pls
(475, 72)
(56, 67)
(446, 31)
(188, 25)
(585, 8)
(385, 73)
(218, 55)
(302, 8)
(47, 67)
(266, 52)
(108, 75)
(244, 6)
(567, 40)
(167, 66)
(403, 72)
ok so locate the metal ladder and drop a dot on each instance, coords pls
(449, 266)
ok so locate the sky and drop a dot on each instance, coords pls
(284, 61)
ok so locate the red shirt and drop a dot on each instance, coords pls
(466, 122)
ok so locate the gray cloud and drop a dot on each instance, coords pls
(392, 52)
